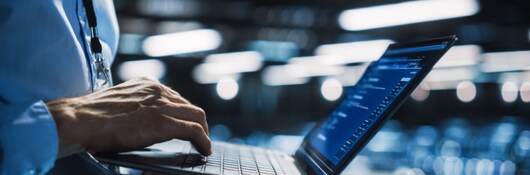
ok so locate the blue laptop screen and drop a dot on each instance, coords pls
(364, 103)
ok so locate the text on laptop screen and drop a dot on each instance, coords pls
(364, 103)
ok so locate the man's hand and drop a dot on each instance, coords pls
(131, 115)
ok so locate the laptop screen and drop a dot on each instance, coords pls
(365, 105)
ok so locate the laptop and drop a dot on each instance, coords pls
(330, 146)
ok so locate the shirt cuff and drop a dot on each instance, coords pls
(28, 138)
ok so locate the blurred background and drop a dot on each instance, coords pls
(266, 71)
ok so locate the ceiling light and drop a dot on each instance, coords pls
(279, 76)
(506, 61)
(151, 68)
(525, 92)
(466, 91)
(451, 74)
(406, 13)
(465, 55)
(331, 89)
(421, 93)
(217, 66)
(352, 52)
(227, 88)
(235, 62)
(509, 92)
(182, 42)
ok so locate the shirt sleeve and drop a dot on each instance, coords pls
(28, 138)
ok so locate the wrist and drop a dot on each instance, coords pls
(64, 114)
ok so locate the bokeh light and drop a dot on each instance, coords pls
(227, 88)
(466, 91)
(509, 92)
(331, 89)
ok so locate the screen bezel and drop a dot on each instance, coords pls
(325, 165)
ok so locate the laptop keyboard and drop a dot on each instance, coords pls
(229, 159)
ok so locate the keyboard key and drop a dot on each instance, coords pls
(229, 159)
(212, 170)
(230, 172)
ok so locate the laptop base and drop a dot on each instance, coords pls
(179, 157)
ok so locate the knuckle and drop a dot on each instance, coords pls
(197, 111)
(201, 114)
(157, 87)
(150, 99)
(154, 88)
(163, 103)
(195, 128)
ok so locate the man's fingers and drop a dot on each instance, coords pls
(174, 96)
(155, 87)
(186, 112)
(194, 133)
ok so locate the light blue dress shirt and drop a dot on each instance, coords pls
(44, 55)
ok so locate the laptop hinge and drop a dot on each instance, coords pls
(307, 164)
